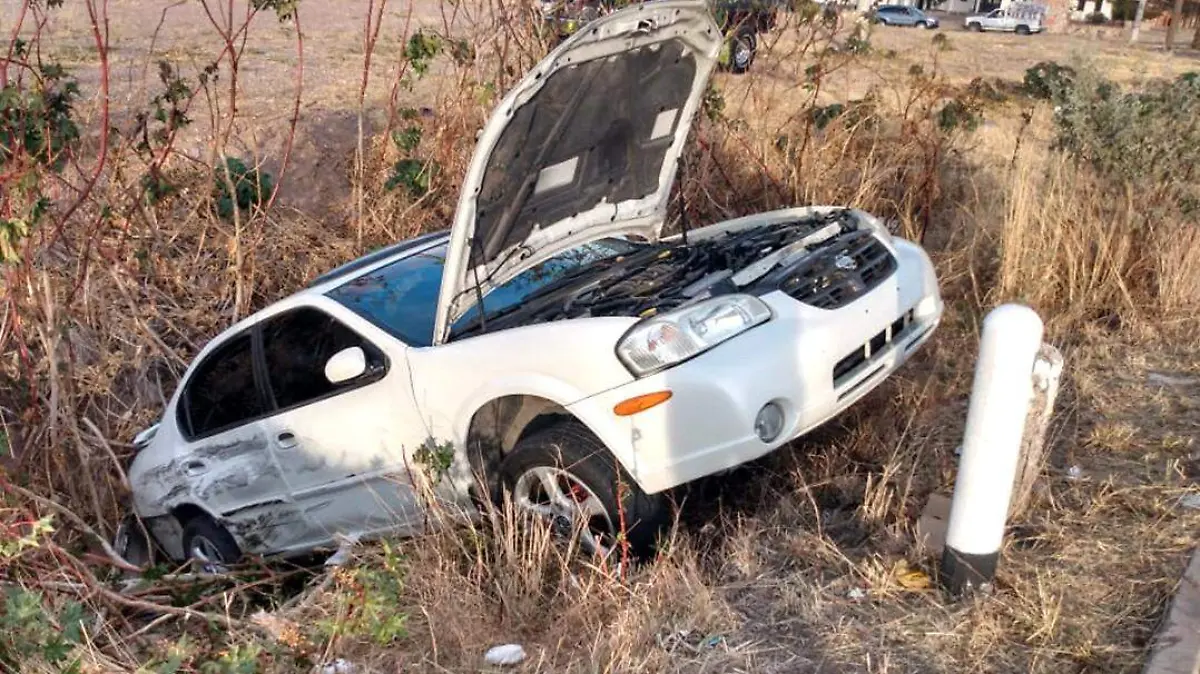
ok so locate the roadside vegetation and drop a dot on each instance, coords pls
(137, 223)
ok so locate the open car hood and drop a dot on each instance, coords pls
(584, 147)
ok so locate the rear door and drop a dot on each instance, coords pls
(228, 465)
(344, 448)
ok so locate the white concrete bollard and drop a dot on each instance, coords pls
(1000, 398)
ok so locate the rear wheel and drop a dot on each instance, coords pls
(566, 477)
(209, 545)
(1022, 30)
(742, 51)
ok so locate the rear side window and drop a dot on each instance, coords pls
(400, 298)
(222, 393)
(296, 346)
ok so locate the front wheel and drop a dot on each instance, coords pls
(566, 477)
(978, 28)
(927, 25)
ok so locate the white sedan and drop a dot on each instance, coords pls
(550, 346)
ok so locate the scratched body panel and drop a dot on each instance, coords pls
(235, 476)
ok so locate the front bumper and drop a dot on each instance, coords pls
(812, 362)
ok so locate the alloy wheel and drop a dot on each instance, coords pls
(568, 504)
(206, 555)
(741, 55)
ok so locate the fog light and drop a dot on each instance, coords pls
(769, 422)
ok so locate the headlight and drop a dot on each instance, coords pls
(676, 336)
(874, 224)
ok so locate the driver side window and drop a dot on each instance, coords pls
(297, 345)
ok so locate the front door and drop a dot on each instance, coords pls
(344, 448)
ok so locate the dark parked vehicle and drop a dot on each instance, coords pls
(903, 15)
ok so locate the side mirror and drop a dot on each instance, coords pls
(346, 365)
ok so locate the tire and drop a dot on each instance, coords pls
(977, 27)
(208, 544)
(742, 51)
(927, 26)
(1022, 30)
(568, 463)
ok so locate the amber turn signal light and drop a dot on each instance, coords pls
(641, 403)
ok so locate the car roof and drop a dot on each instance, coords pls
(385, 253)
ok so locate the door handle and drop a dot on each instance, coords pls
(286, 440)
(195, 467)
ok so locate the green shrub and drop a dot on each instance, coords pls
(30, 629)
(1048, 79)
(251, 187)
(1146, 138)
(413, 175)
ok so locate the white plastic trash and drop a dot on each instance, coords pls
(508, 654)
(338, 666)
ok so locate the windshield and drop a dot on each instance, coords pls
(512, 294)
(401, 298)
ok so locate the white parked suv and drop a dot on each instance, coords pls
(1004, 20)
(551, 345)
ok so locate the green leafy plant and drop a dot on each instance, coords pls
(251, 187)
(37, 135)
(408, 138)
(36, 121)
(1146, 137)
(713, 104)
(436, 457)
(365, 601)
(1048, 79)
(958, 114)
(14, 542)
(284, 9)
(31, 629)
(237, 659)
(421, 49)
(413, 175)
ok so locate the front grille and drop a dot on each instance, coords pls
(840, 273)
(850, 364)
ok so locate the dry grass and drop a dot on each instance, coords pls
(792, 564)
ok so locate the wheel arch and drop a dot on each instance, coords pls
(499, 424)
(167, 528)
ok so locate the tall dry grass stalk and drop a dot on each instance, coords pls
(1079, 249)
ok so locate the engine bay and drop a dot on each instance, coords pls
(806, 258)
